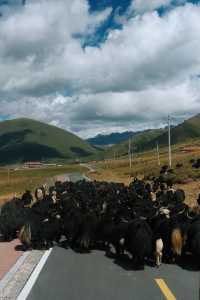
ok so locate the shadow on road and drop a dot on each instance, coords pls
(187, 262)
(21, 248)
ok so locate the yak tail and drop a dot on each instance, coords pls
(177, 241)
(25, 235)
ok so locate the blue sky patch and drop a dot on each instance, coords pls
(115, 4)
(119, 7)
(4, 117)
(99, 36)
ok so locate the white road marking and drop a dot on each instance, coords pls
(27, 288)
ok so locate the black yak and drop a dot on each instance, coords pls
(139, 242)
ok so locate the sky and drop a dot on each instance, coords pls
(100, 66)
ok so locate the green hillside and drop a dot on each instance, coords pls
(188, 130)
(139, 142)
(25, 139)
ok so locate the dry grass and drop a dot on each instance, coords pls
(146, 164)
(16, 182)
(192, 191)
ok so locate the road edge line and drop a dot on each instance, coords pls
(32, 279)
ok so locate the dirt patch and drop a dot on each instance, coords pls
(190, 149)
(192, 191)
(7, 197)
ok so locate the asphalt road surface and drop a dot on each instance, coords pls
(93, 276)
(75, 176)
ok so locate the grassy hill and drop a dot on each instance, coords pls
(139, 142)
(184, 132)
(189, 129)
(25, 139)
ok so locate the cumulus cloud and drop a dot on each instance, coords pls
(138, 75)
(142, 5)
(107, 112)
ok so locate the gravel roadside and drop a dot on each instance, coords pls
(19, 275)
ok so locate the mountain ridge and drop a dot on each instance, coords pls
(25, 139)
(110, 139)
(147, 140)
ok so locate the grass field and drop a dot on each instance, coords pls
(15, 182)
(146, 164)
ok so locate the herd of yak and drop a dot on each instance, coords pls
(148, 221)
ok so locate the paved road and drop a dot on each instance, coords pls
(8, 254)
(75, 176)
(69, 275)
(90, 167)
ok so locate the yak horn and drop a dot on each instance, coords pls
(189, 217)
(156, 214)
(143, 218)
(181, 212)
(156, 205)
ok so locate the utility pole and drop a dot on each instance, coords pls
(132, 152)
(129, 154)
(8, 175)
(158, 153)
(169, 141)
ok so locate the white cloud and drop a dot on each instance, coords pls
(148, 50)
(142, 6)
(105, 112)
(142, 72)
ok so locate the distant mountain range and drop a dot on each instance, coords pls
(25, 139)
(110, 139)
(139, 142)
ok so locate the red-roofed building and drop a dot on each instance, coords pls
(33, 164)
